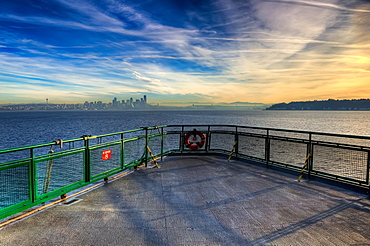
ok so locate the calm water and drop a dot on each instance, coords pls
(24, 128)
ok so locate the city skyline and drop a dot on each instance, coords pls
(131, 103)
(128, 104)
(184, 52)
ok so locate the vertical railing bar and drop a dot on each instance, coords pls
(368, 170)
(182, 139)
(208, 139)
(267, 147)
(122, 151)
(32, 177)
(310, 152)
(162, 143)
(87, 159)
(146, 146)
(236, 139)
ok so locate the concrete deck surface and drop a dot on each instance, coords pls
(202, 200)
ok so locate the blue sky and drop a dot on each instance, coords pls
(184, 51)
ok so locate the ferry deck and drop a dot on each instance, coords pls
(201, 200)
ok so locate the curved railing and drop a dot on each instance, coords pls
(35, 174)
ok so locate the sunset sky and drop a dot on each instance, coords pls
(184, 51)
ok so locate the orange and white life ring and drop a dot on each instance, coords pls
(194, 140)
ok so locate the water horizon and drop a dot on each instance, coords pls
(23, 128)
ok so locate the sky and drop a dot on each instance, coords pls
(183, 52)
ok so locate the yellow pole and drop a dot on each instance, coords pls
(232, 151)
(304, 167)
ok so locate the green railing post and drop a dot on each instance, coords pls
(32, 177)
(87, 159)
(162, 143)
(237, 142)
(122, 151)
(146, 146)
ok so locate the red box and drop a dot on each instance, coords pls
(106, 154)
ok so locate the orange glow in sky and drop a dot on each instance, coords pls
(210, 51)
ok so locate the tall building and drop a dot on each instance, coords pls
(114, 102)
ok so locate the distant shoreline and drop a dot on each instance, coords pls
(326, 105)
(318, 109)
(138, 110)
(77, 107)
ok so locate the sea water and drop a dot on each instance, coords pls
(23, 128)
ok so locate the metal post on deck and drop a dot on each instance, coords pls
(182, 139)
(87, 158)
(208, 139)
(367, 172)
(310, 153)
(237, 142)
(162, 143)
(32, 177)
(146, 146)
(232, 151)
(122, 151)
(267, 148)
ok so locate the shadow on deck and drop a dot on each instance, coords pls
(202, 200)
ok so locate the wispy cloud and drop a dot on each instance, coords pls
(227, 50)
(329, 5)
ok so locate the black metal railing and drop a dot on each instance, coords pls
(334, 156)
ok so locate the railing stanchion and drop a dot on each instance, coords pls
(162, 143)
(32, 177)
(182, 139)
(267, 147)
(87, 159)
(310, 152)
(146, 146)
(122, 151)
(367, 172)
(208, 139)
(237, 142)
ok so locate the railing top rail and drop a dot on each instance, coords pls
(38, 145)
(188, 125)
(277, 129)
(128, 131)
(77, 139)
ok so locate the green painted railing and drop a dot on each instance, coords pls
(35, 174)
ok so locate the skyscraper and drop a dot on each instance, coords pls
(114, 102)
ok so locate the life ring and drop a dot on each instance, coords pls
(195, 142)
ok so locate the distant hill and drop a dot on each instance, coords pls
(229, 106)
(330, 104)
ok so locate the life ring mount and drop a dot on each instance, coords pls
(194, 140)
